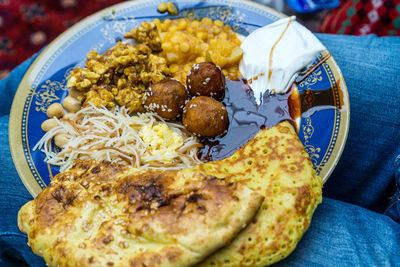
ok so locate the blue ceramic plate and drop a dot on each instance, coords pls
(325, 105)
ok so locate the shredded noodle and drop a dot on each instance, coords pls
(113, 135)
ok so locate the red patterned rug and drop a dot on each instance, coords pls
(27, 25)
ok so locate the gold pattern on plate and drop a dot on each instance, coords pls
(311, 79)
(308, 131)
(46, 95)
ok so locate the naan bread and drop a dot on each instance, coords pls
(275, 164)
(104, 214)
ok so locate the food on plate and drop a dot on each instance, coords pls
(106, 214)
(71, 104)
(186, 41)
(147, 34)
(206, 79)
(166, 98)
(98, 213)
(275, 164)
(266, 65)
(169, 6)
(143, 140)
(205, 116)
(55, 110)
(119, 76)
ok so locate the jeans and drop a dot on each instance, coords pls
(358, 221)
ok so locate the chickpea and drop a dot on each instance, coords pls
(69, 116)
(55, 110)
(61, 140)
(71, 104)
(49, 124)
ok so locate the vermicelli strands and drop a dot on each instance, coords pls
(101, 134)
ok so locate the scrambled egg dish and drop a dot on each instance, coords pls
(161, 140)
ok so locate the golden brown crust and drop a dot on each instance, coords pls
(105, 214)
(275, 164)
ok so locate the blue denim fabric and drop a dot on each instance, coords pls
(355, 233)
(371, 69)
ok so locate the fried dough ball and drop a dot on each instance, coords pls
(206, 79)
(166, 98)
(205, 116)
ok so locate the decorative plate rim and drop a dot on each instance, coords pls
(25, 90)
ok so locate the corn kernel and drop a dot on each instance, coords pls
(225, 72)
(187, 67)
(206, 21)
(157, 21)
(166, 46)
(215, 29)
(172, 9)
(185, 47)
(202, 35)
(195, 24)
(172, 57)
(173, 28)
(204, 46)
(174, 68)
(223, 36)
(182, 25)
(218, 23)
(190, 30)
(162, 7)
(200, 59)
(226, 28)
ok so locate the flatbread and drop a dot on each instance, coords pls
(275, 164)
(104, 214)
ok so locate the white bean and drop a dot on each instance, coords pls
(55, 110)
(71, 104)
(49, 124)
(68, 116)
(61, 140)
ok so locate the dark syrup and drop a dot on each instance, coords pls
(246, 118)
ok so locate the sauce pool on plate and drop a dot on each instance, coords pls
(246, 118)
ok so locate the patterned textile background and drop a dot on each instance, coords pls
(362, 17)
(27, 25)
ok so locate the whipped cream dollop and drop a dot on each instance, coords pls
(274, 54)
